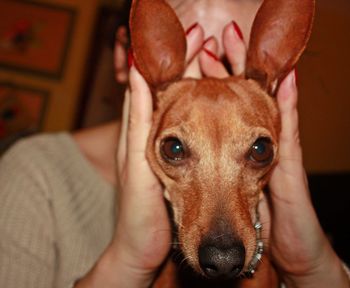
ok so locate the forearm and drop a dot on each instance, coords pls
(330, 273)
(111, 271)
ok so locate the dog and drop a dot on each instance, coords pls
(214, 142)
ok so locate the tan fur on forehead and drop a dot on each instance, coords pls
(234, 95)
(218, 121)
(264, 106)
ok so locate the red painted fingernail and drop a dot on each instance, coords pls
(130, 57)
(188, 31)
(238, 30)
(207, 40)
(211, 54)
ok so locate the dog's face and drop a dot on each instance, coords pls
(214, 142)
(213, 153)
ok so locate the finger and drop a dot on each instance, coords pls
(265, 217)
(122, 145)
(193, 70)
(120, 63)
(210, 64)
(140, 117)
(212, 46)
(120, 55)
(235, 48)
(195, 39)
(287, 97)
(122, 35)
(288, 180)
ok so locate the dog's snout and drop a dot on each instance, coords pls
(222, 262)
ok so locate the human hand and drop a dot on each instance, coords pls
(143, 235)
(298, 245)
(296, 242)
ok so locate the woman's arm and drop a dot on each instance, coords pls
(27, 251)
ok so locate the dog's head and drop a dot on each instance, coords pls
(214, 142)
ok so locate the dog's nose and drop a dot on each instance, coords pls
(222, 263)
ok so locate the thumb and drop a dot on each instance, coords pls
(287, 98)
(140, 116)
(289, 175)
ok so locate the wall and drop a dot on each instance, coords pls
(64, 93)
(324, 82)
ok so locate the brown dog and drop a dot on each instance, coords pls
(214, 142)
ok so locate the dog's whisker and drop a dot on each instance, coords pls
(199, 131)
(184, 263)
(220, 236)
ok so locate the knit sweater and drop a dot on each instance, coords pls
(56, 213)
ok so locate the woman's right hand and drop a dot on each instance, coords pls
(143, 234)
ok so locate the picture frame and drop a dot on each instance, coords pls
(22, 112)
(101, 95)
(26, 42)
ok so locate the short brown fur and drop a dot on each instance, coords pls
(214, 191)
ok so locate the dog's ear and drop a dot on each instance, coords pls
(280, 32)
(158, 42)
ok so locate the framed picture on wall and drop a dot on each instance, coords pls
(102, 96)
(22, 111)
(34, 37)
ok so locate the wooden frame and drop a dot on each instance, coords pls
(26, 37)
(22, 111)
(102, 96)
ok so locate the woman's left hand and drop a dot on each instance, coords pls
(297, 244)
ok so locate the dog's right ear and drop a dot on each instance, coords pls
(158, 42)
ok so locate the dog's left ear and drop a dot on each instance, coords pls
(280, 32)
(158, 42)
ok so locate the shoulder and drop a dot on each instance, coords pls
(51, 200)
(25, 210)
(50, 171)
(35, 158)
(36, 148)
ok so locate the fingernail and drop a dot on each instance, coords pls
(291, 79)
(238, 30)
(130, 57)
(211, 54)
(188, 31)
(207, 40)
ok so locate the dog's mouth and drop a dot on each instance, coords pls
(222, 256)
(222, 261)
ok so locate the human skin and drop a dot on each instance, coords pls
(299, 248)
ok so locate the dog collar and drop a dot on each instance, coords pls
(259, 249)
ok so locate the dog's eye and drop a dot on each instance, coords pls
(261, 151)
(172, 149)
